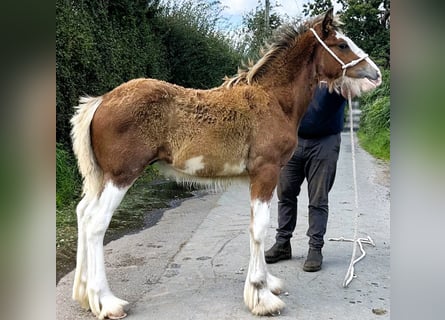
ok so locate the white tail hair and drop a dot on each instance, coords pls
(91, 172)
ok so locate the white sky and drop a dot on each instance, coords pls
(239, 7)
(235, 9)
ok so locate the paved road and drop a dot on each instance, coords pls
(192, 264)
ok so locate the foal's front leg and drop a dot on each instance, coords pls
(260, 285)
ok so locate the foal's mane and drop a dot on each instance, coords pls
(282, 39)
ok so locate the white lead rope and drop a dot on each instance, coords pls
(360, 241)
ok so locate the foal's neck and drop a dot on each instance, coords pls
(292, 78)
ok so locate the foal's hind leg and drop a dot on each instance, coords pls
(95, 222)
(80, 278)
(260, 285)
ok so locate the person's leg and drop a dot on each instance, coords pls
(320, 170)
(288, 189)
(290, 180)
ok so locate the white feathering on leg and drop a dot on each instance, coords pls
(260, 286)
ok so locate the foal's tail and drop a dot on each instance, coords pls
(91, 172)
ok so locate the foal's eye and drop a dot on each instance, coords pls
(343, 46)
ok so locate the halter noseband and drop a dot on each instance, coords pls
(344, 66)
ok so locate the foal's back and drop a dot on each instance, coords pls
(203, 133)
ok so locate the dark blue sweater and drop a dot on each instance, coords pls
(324, 116)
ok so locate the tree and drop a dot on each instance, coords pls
(257, 29)
(198, 55)
(316, 7)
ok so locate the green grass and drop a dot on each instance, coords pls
(374, 131)
(68, 182)
(68, 186)
(378, 144)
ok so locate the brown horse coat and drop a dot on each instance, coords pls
(244, 128)
(201, 133)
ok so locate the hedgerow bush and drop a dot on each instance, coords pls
(67, 177)
(375, 120)
(101, 44)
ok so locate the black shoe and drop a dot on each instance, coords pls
(279, 251)
(313, 261)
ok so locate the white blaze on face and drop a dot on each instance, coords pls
(359, 52)
(357, 86)
(193, 165)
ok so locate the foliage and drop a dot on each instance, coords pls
(376, 104)
(255, 32)
(197, 54)
(101, 44)
(367, 22)
(316, 7)
(375, 120)
(67, 177)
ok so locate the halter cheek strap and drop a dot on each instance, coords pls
(344, 66)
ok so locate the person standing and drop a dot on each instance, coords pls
(314, 159)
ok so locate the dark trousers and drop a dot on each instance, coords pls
(316, 161)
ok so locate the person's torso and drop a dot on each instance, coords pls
(324, 115)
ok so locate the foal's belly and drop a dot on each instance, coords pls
(210, 166)
(202, 171)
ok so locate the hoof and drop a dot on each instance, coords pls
(268, 304)
(261, 301)
(112, 308)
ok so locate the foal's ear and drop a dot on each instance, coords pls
(327, 21)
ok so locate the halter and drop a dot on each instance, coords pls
(344, 66)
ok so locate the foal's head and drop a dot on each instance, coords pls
(339, 61)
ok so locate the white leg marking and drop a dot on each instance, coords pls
(80, 277)
(261, 212)
(257, 291)
(95, 221)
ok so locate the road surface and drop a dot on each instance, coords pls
(192, 264)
